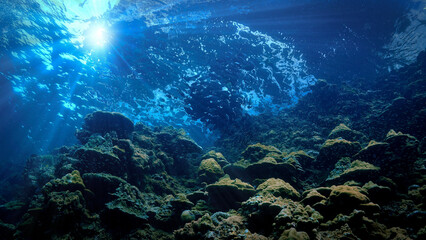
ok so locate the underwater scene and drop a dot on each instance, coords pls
(213, 119)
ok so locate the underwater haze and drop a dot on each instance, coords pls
(212, 119)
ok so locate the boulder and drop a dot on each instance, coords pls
(195, 230)
(128, 209)
(344, 232)
(209, 171)
(312, 196)
(102, 185)
(294, 214)
(176, 142)
(268, 167)
(233, 226)
(143, 141)
(62, 213)
(261, 211)
(302, 158)
(267, 212)
(254, 153)
(187, 216)
(344, 199)
(293, 234)
(194, 197)
(374, 153)
(357, 171)
(227, 193)
(377, 193)
(70, 182)
(403, 147)
(177, 145)
(344, 132)
(179, 203)
(333, 150)
(104, 122)
(217, 156)
(88, 160)
(279, 188)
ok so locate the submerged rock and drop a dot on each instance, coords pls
(358, 171)
(92, 160)
(344, 132)
(187, 216)
(105, 122)
(302, 158)
(404, 149)
(293, 234)
(146, 186)
(273, 164)
(358, 226)
(177, 145)
(295, 214)
(256, 152)
(227, 193)
(279, 188)
(312, 197)
(217, 156)
(103, 186)
(344, 199)
(39, 170)
(261, 211)
(70, 182)
(60, 212)
(333, 150)
(267, 212)
(195, 230)
(266, 168)
(209, 171)
(127, 209)
(176, 142)
(377, 193)
(374, 152)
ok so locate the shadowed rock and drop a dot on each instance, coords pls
(104, 122)
(228, 193)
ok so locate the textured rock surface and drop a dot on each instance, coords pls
(217, 156)
(264, 162)
(333, 150)
(104, 122)
(278, 188)
(228, 193)
(293, 234)
(256, 152)
(209, 170)
(357, 171)
(344, 132)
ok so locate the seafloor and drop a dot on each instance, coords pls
(348, 162)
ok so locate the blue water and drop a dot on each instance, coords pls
(198, 65)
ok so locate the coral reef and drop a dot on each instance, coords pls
(283, 177)
(111, 187)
